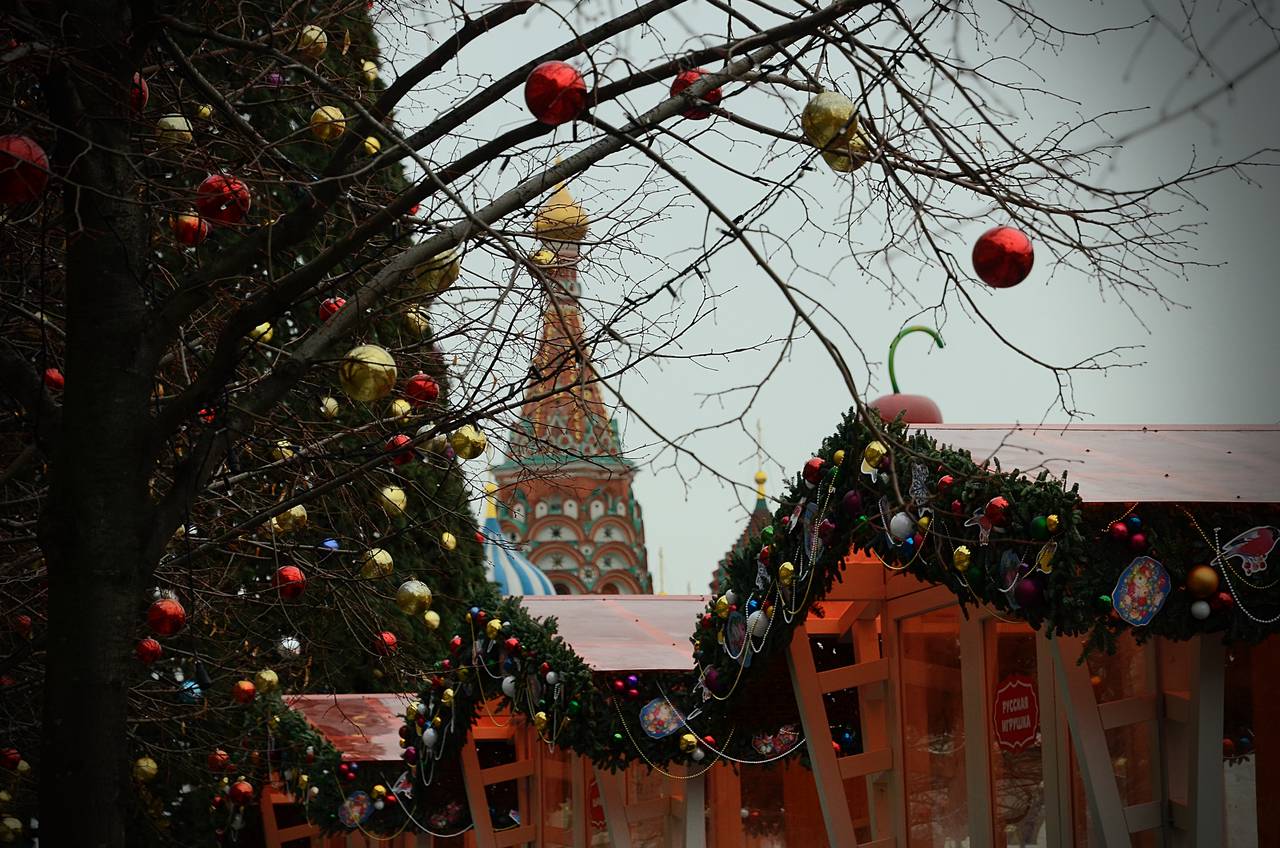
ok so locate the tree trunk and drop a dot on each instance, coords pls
(98, 512)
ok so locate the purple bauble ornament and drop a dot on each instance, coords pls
(852, 503)
(275, 79)
(825, 529)
(712, 679)
(1028, 594)
(410, 755)
(633, 681)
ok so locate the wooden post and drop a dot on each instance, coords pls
(1055, 755)
(1096, 770)
(1205, 789)
(613, 795)
(473, 782)
(817, 733)
(695, 812)
(977, 730)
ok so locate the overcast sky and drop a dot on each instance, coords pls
(1209, 360)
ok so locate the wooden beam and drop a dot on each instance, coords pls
(1205, 789)
(869, 763)
(695, 812)
(1128, 711)
(813, 718)
(1177, 707)
(476, 799)
(1096, 770)
(507, 771)
(1147, 816)
(853, 676)
(613, 796)
(515, 836)
(976, 654)
(1055, 753)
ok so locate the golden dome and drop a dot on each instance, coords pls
(561, 218)
(761, 477)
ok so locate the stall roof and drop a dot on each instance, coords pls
(1126, 463)
(625, 632)
(363, 727)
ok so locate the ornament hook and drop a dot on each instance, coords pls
(893, 347)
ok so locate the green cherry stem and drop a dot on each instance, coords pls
(893, 347)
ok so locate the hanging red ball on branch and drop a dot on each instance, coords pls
(398, 447)
(24, 169)
(688, 78)
(244, 691)
(54, 380)
(166, 616)
(149, 650)
(813, 470)
(997, 511)
(290, 581)
(223, 199)
(421, 389)
(241, 792)
(385, 643)
(189, 229)
(1002, 257)
(329, 307)
(555, 93)
(218, 761)
(139, 94)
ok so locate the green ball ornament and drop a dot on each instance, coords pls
(574, 706)
(1040, 528)
(617, 737)
(766, 535)
(1104, 602)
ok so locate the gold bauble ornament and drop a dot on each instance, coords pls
(173, 130)
(446, 697)
(830, 124)
(431, 619)
(873, 453)
(838, 457)
(145, 769)
(329, 408)
(367, 372)
(376, 563)
(923, 522)
(413, 597)
(1202, 581)
(960, 558)
(1052, 523)
(688, 742)
(540, 721)
(378, 791)
(786, 573)
(262, 333)
(369, 70)
(543, 258)
(204, 111)
(399, 409)
(293, 518)
(10, 828)
(468, 442)
(266, 680)
(312, 42)
(417, 321)
(722, 606)
(328, 123)
(303, 781)
(393, 500)
(448, 541)
(436, 721)
(439, 272)
(282, 451)
(493, 628)
(370, 145)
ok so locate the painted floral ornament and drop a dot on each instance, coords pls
(1141, 591)
(659, 719)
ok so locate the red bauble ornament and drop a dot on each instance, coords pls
(330, 306)
(555, 93)
(149, 650)
(1228, 748)
(945, 482)
(223, 199)
(1222, 600)
(24, 169)
(166, 616)
(688, 78)
(54, 380)
(290, 581)
(396, 446)
(914, 409)
(957, 508)
(244, 691)
(1138, 542)
(241, 792)
(219, 760)
(813, 470)
(10, 757)
(421, 389)
(139, 93)
(189, 229)
(1119, 531)
(512, 644)
(22, 625)
(997, 511)
(455, 643)
(1002, 257)
(385, 643)
(479, 538)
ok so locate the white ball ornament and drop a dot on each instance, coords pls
(379, 804)
(173, 130)
(509, 686)
(744, 813)
(552, 678)
(429, 737)
(731, 597)
(901, 526)
(1200, 610)
(757, 623)
(699, 755)
(289, 646)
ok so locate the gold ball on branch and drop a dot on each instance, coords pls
(145, 769)
(1052, 523)
(722, 606)
(10, 828)
(960, 558)
(786, 573)
(439, 272)
(328, 123)
(266, 680)
(446, 697)
(329, 408)
(417, 321)
(282, 451)
(369, 70)
(413, 597)
(543, 258)
(688, 742)
(312, 42)
(493, 628)
(830, 123)
(293, 518)
(262, 333)
(873, 453)
(370, 145)
(448, 541)
(378, 791)
(1202, 581)
(431, 619)
(540, 720)
(838, 457)
(468, 442)
(367, 372)
(173, 130)
(376, 563)
(399, 409)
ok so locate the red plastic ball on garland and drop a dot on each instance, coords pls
(24, 169)
(10, 757)
(512, 644)
(397, 447)
(166, 616)
(688, 78)
(1222, 600)
(330, 306)
(1002, 257)
(149, 650)
(290, 581)
(22, 625)
(1138, 542)
(189, 229)
(219, 760)
(223, 199)
(997, 511)
(244, 691)
(54, 380)
(1228, 748)
(555, 93)
(421, 389)
(1119, 531)
(813, 470)
(139, 94)
(945, 482)
(455, 643)
(385, 643)
(241, 792)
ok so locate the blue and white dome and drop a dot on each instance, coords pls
(514, 573)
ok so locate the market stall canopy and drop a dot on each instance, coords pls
(625, 632)
(1128, 463)
(366, 728)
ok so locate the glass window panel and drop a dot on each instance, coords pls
(1017, 777)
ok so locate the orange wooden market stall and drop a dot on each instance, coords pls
(974, 731)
